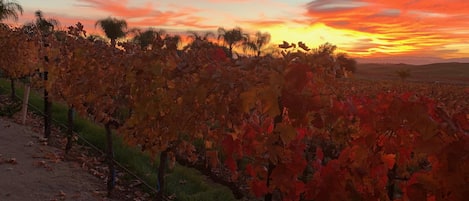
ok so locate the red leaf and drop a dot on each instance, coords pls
(319, 153)
(406, 96)
(231, 146)
(250, 170)
(231, 163)
(301, 133)
(416, 192)
(219, 55)
(296, 76)
(259, 188)
(462, 120)
(268, 125)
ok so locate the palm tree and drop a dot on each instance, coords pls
(147, 38)
(172, 42)
(198, 37)
(198, 40)
(113, 28)
(10, 9)
(261, 39)
(232, 37)
(46, 26)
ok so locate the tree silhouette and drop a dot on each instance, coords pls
(113, 28)
(198, 40)
(260, 41)
(172, 42)
(146, 38)
(45, 26)
(10, 9)
(325, 49)
(346, 63)
(232, 37)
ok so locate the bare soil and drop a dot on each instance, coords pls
(31, 170)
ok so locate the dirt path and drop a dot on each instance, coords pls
(31, 170)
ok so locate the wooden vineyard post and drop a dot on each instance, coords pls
(47, 109)
(13, 88)
(24, 110)
(161, 172)
(68, 146)
(110, 160)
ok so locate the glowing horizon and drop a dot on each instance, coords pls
(361, 28)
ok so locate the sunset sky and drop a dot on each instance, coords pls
(362, 28)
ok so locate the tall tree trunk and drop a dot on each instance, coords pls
(161, 173)
(68, 146)
(47, 110)
(13, 88)
(110, 160)
(231, 51)
(113, 42)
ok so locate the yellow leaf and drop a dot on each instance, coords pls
(287, 132)
(248, 100)
(270, 102)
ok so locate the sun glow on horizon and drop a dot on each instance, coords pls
(354, 43)
(360, 28)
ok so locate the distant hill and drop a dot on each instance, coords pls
(457, 73)
(411, 60)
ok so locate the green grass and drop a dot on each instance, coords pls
(197, 188)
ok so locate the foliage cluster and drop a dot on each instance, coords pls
(279, 124)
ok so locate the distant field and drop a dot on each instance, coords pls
(454, 73)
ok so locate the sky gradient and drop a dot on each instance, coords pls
(361, 28)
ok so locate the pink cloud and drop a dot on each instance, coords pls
(146, 15)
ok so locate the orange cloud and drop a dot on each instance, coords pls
(63, 20)
(263, 23)
(398, 26)
(118, 7)
(228, 1)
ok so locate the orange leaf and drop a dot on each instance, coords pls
(208, 144)
(389, 160)
(212, 158)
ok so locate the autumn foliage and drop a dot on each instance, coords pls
(284, 126)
